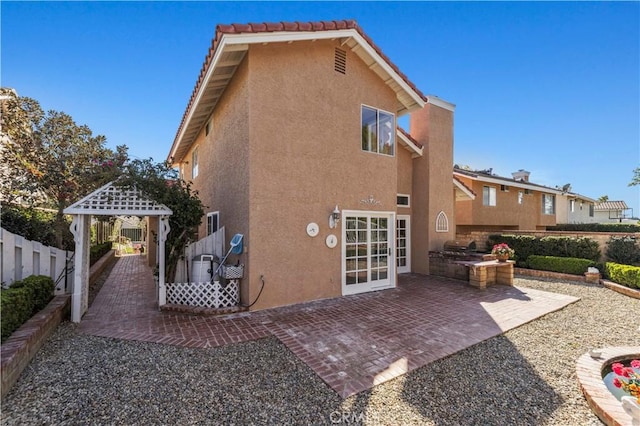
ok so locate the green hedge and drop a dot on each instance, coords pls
(96, 252)
(624, 250)
(565, 265)
(623, 274)
(596, 227)
(35, 225)
(22, 300)
(527, 245)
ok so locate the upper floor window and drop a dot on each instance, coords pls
(194, 163)
(572, 205)
(591, 210)
(548, 204)
(378, 131)
(520, 197)
(488, 196)
(504, 188)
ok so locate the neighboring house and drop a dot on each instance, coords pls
(612, 211)
(574, 208)
(291, 139)
(502, 203)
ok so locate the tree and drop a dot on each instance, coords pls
(603, 199)
(635, 180)
(51, 160)
(162, 184)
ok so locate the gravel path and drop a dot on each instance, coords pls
(525, 377)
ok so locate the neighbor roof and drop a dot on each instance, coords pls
(500, 180)
(231, 42)
(611, 205)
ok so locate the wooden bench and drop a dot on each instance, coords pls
(482, 274)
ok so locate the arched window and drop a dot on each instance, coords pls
(442, 222)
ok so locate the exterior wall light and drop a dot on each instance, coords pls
(334, 218)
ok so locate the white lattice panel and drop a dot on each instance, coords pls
(204, 295)
(113, 200)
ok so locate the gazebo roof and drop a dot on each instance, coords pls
(112, 200)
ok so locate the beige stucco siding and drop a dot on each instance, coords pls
(306, 157)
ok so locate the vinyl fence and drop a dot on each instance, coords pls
(20, 258)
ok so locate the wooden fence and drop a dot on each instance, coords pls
(212, 244)
(20, 258)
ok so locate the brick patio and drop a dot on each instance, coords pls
(352, 343)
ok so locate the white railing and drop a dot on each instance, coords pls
(20, 258)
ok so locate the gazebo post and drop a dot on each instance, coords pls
(163, 230)
(80, 228)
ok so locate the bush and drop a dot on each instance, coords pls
(526, 246)
(16, 308)
(33, 224)
(96, 252)
(42, 287)
(22, 300)
(625, 250)
(596, 227)
(623, 274)
(565, 265)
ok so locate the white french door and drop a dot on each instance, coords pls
(403, 243)
(368, 256)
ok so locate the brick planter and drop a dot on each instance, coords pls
(24, 343)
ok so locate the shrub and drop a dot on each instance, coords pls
(16, 308)
(22, 300)
(96, 252)
(33, 224)
(527, 245)
(42, 287)
(596, 227)
(565, 265)
(625, 250)
(623, 274)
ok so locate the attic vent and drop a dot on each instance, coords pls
(340, 64)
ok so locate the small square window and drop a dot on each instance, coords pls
(213, 222)
(403, 200)
(504, 188)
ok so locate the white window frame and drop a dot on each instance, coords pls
(492, 201)
(211, 215)
(408, 197)
(194, 163)
(520, 197)
(572, 206)
(377, 142)
(442, 222)
(544, 204)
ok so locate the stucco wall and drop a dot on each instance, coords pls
(507, 213)
(306, 158)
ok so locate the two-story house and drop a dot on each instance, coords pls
(503, 203)
(574, 208)
(290, 138)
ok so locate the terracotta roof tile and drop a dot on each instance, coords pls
(465, 185)
(222, 29)
(408, 136)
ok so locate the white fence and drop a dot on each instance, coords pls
(20, 258)
(212, 244)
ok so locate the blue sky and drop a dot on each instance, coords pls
(550, 87)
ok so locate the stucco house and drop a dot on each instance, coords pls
(612, 212)
(290, 138)
(503, 203)
(574, 208)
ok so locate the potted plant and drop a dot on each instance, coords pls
(502, 252)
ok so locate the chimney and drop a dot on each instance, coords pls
(521, 175)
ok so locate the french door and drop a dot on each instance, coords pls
(403, 243)
(368, 256)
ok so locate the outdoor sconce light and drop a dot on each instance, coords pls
(334, 218)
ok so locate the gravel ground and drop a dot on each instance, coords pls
(525, 377)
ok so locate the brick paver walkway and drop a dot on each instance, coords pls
(352, 343)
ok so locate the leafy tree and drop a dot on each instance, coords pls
(51, 160)
(635, 180)
(162, 184)
(603, 199)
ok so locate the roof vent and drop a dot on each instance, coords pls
(340, 63)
